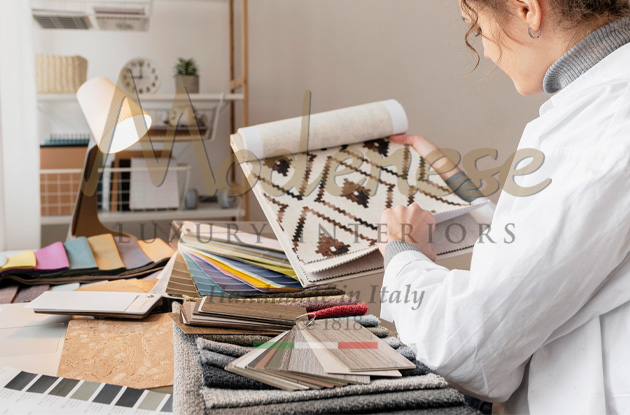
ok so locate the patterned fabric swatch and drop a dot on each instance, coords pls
(328, 229)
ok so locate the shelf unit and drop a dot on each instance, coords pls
(238, 93)
(206, 211)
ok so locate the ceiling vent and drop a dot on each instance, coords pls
(121, 18)
(52, 19)
(118, 15)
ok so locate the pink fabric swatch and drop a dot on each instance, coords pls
(51, 258)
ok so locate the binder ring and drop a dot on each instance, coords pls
(310, 320)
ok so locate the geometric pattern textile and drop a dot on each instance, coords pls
(330, 201)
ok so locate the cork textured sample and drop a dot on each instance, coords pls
(134, 354)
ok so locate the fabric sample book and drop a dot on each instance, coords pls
(324, 180)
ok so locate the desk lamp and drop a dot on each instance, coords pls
(116, 122)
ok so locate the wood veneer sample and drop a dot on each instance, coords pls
(121, 286)
(216, 330)
(357, 349)
(138, 354)
(227, 307)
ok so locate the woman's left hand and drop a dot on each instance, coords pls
(409, 224)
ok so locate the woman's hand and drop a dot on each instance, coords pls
(409, 224)
(429, 151)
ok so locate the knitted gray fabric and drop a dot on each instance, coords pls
(221, 398)
(223, 348)
(393, 342)
(357, 404)
(368, 320)
(586, 54)
(395, 247)
(463, 187)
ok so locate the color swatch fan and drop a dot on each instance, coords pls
(243, 267)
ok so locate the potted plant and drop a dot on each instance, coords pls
(186, 75)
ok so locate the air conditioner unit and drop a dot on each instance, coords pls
(119, 15)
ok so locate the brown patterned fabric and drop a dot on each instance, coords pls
(330, 229)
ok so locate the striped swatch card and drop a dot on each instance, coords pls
(24, 392)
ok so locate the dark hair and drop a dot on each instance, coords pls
(569, 14)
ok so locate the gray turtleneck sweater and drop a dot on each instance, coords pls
(577, 61)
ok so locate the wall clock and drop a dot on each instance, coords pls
(146, 75)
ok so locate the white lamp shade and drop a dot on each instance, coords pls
(116, 121)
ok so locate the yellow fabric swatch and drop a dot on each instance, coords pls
(157, 250)
(23, 260)
(105, 252)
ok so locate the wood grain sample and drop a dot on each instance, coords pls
(357, 349)
(121, 286)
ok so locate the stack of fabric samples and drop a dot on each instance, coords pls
(320, 355)
(83, 260)
(261, 318)
(202, 385)
(212, 261)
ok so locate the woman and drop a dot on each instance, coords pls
(541, 322)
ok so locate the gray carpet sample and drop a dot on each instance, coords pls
(227, 399)
(357, 404)
(393, 342)
(223, 348)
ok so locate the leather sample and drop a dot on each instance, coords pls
(51, 258)
(157, 250)
(106, 253)
(131, 254)
(23, 260)
(80, 256)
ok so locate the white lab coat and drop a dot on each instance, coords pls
(543, 322)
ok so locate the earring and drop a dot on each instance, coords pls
(529, 30)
